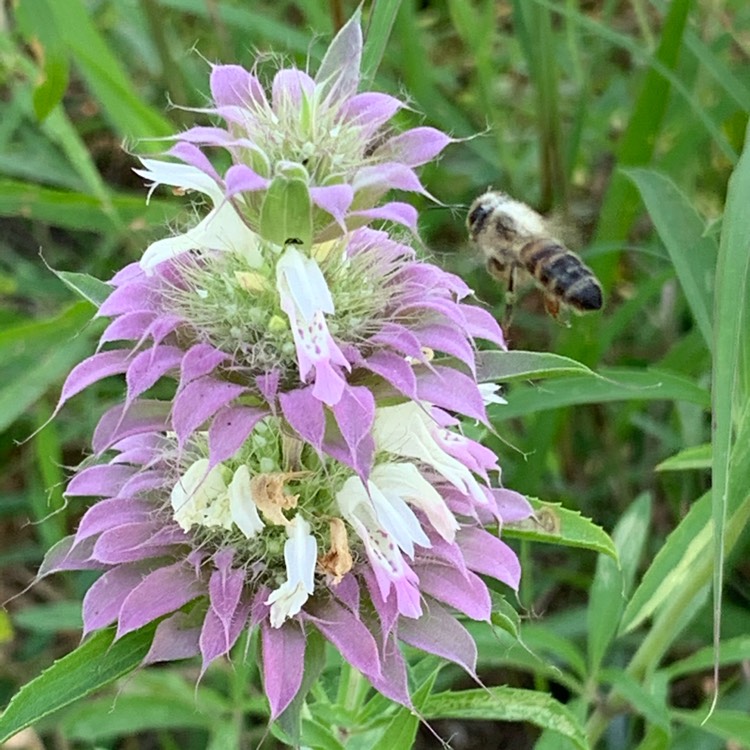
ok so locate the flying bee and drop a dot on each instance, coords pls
(516, 242)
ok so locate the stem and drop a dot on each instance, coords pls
(241, 669)
(171, 73)
(352, 688)
(665, 628)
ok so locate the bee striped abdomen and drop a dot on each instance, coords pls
(562, 273)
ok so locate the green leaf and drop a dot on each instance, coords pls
(317, 735)
(400, 731)
(48, 506)
(379, 26)
(731, 651)
(286, 213)
(49, 92)
(38, 355)
(733, 726)
(50, 618)
(498, 648)
(637, 696)
(637, 144)
(630, 537)
(507, 704)
(519, 365)
(694, 457)
(553, 741)
(611, 583)
(684, 564)
(50, 49)
(71, 210)
(30, 339)
(719, 70)
(682, 231)
(547, 643)
(130, 714)
(103, 72)
(557, 525)
(504, 615)
(254, 27)
(615, 384)
(655, 738)
(86, 286)
(672, 565)
(223, 735)
(92, 665)
(731, 371)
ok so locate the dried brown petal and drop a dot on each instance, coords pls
(337, 562)
(269, 496)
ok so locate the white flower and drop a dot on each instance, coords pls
(408, 430)
(201, 497)
(306, 299)
(379, 528)
(404, 482)
(241, 504)
(491, 393)
(300, 557)
(221, 229)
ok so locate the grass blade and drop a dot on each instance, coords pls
(379, 26)
(683, 233)
(728, 394)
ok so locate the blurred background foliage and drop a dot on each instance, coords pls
(620, 119)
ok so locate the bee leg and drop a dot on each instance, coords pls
(552, 306)
(506, 274)
(510, 299)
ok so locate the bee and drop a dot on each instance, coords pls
(516, 242)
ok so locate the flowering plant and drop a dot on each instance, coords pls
(306, 470)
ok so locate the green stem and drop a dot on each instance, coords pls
(352, 688)
(666, 627)
(171, 73)
(241, 671)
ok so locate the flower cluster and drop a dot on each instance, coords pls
(287, 456)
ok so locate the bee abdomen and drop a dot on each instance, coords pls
(562, 273)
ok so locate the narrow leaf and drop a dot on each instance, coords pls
(92, 665)
(507, 704)
(733, 726)
(382, 17)
(519, 365)
(130, 714)
(672, 565)
(615, 384)
(731, 308)
(608, 591)
(16, 395)
(557, 525)
(694, 457)
(88, 287)
(682, 231)
(731, 651)
(637, 696)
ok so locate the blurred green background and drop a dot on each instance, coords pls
(622, 120)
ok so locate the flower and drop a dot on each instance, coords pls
(305, 298)
(180, 537)
(309, 470)
(300, 555)
(307, 163)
